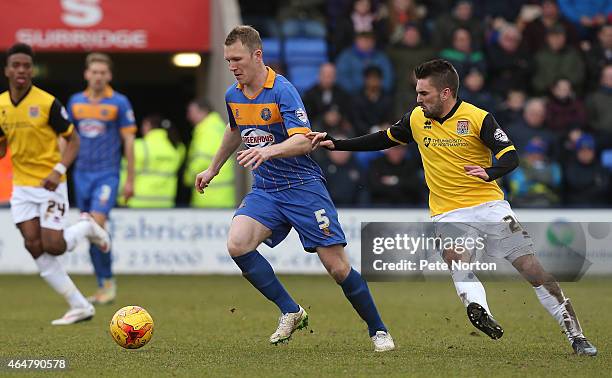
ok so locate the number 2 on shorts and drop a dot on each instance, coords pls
(514, 225)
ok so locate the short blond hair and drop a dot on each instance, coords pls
(245, 34)
(97, 57)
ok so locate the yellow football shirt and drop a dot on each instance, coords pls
(31, 128)
(466, 136)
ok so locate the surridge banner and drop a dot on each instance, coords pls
(109, 25)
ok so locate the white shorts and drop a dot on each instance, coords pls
(495, 222)
(29, 202)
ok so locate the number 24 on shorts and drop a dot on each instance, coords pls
(55, 206)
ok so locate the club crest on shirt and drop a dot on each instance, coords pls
(266, 114)
(463, 127)
(34, 111)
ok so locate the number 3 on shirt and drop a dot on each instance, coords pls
(322, 219)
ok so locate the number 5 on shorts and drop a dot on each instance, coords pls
(322, 219)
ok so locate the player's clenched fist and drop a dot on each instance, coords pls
(52, 181)
(318, 139)
(203, 179)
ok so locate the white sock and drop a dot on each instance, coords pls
(75, 233)
(562, 312)
(53, 272)
(470, 289)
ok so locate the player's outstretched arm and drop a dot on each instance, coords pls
(370, 142)
(398, 133)
(296, 145)
(230, 143)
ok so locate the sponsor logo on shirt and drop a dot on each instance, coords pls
(256, 138)
(444, 142)
(91, 128)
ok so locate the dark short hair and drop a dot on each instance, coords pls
(20, 48)
(607, 25)
(556, 29)
(365, 34)
(372, 70)
(245, 34)
(202, 103)
(158, 121)
(442, 74)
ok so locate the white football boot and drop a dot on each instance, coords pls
(383, 342)
(289, 323)
(97, 235)
(75, 315)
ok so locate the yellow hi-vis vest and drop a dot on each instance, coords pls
(207, 137)
(156, 166)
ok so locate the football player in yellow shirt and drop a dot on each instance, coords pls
(456, 140)
(30, 122)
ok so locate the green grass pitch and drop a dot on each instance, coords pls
(219, 326)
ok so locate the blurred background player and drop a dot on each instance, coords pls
(158, 156)
(267, 114)
(208, 130)
(104, 119)
(464, 194)
(31, 121)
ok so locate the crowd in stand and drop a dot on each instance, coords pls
(542, 68)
